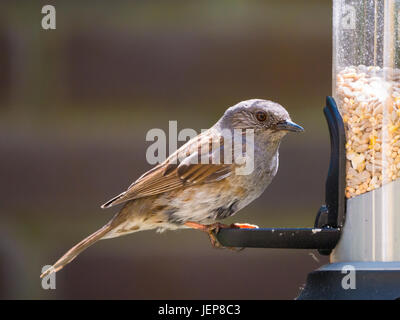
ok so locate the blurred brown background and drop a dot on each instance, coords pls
(76, 104)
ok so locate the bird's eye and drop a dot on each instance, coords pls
(261, 116)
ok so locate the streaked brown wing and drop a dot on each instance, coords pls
(173, 173)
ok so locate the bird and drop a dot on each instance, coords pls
(201, 183)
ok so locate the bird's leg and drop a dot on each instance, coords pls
(213, 229)
(210, 229)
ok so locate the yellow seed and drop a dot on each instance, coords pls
(361, 166)
(393, 128)
(372, 141)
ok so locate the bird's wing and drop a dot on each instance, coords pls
(186, 167)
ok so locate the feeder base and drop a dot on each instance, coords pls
(354, 281)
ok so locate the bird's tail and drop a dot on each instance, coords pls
(77, 249)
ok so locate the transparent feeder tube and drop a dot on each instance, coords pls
(366, 87)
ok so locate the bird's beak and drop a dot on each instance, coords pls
(289, 126)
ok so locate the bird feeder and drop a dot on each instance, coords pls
(359, 224)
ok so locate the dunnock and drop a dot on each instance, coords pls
(184, 192)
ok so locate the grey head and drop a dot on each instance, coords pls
(263, 116)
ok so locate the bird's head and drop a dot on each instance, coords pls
(263, 116)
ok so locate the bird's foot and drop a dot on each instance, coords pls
(213, 229)
(244, 226)
(236, 226)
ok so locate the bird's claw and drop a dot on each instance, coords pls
(213, 230)
(244, 226)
